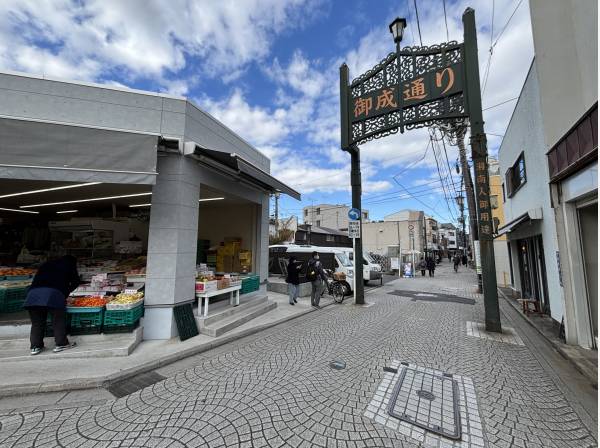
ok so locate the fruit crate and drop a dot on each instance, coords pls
(124, 319)
(250, 284)
(12, 299)
(121, 328)
(84, 320)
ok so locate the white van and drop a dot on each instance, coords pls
(371, 270)
(341, 261)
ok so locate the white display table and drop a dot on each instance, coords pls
(234, 297)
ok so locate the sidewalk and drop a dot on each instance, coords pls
(586, 361)
(325, 380)
(63, 372)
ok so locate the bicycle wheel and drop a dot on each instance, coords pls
(337, 291)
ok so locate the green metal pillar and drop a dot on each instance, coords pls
(355, 181)
(482, 182)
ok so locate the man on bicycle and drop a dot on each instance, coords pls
(316, 275)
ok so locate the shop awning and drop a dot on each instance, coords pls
(535, 213)
(235, 165)
(33, 150)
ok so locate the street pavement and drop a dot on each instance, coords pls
(277, 388)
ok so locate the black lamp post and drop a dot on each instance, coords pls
(397, 30)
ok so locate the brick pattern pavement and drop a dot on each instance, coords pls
(276, 388)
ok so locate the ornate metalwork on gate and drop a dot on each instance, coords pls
(427, 88)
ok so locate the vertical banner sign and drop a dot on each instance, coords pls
(484, 209)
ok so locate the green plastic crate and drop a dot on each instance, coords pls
(12, 299)
(120, 328)
(86, 322)
(123, 318)
(250, 283)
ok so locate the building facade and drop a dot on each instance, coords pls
(565, 37)
(401, 232)
(530, 228)
(321, 236)
(105, 151)
(332, 216)
(501, 250)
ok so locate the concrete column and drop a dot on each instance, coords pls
(263, 238)
(172, 242)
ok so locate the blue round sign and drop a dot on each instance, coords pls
(354, 214)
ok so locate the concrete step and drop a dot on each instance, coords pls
(233, 320)
(222, 310)
(88, 346)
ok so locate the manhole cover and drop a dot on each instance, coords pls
(427, 400)
(337, 365)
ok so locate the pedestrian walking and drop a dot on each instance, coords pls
(54, 281)
(423, 266)
(449, 256)
(316, 275)
(431, 266)
(293, 279)
(456, 262)
(465, 260)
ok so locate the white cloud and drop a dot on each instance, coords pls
(256, 124)
(84, 40)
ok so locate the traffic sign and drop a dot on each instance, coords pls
(411, 227)
(354, 229)
(354, 214)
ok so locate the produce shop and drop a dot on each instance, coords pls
(157, 200)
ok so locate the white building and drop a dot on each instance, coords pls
(530, 226)
(565, 37)
(403, 229)
(332, 216)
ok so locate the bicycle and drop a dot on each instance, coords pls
(335, 288)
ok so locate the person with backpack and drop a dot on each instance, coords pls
(293, 279)
(316, 276)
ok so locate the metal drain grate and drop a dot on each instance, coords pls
(428, 401)
(123, 388)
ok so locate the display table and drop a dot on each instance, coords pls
(234, 297)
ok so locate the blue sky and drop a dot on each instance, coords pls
(268, 69)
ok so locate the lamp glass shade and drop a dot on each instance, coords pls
(397, 28)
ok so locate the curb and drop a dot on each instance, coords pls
(106, 380)
(557, 345)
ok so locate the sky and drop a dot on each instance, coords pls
(269, 70)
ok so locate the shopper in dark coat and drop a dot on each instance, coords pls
(293, 279)
(317, 277)
(423, 266)
(431, 266)
(52, 284)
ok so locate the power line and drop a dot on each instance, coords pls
(506, 24)
(418, 22)
(410, 20)
(440, 175)
(501, 103)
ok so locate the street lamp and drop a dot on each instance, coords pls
(397, 29)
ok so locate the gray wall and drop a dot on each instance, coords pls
(565, 38)
(94, 105)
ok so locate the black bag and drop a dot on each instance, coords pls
(311, 271)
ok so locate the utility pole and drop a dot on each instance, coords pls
(462, 150)
(479, 154)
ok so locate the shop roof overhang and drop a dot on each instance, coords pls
(236, 166)
(530, 215)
